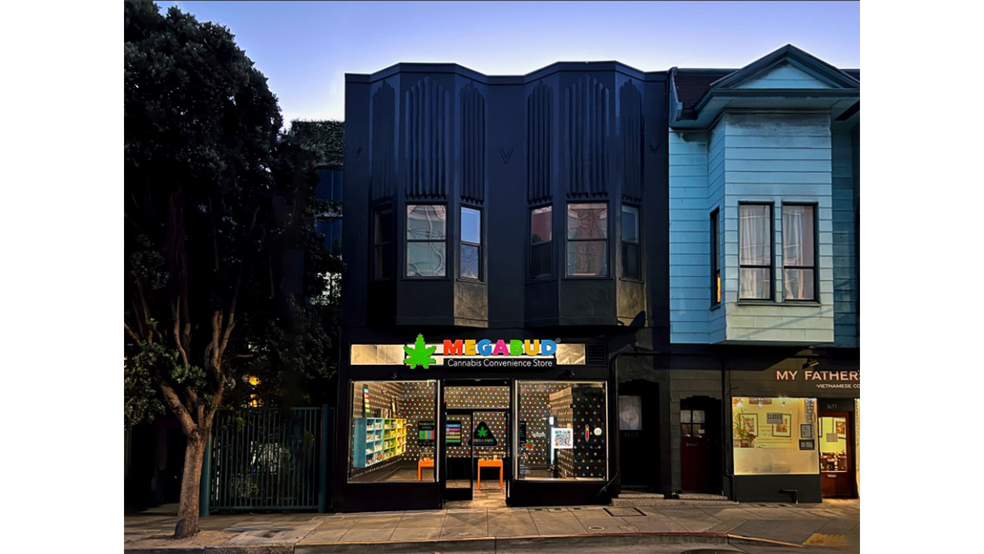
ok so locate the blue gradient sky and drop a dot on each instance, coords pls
(305, 48)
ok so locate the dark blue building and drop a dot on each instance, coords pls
(509, 309)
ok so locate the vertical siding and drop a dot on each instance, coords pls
(728, 224)
(859, 207)
(777, 158)
(690, 293)
(844, 242)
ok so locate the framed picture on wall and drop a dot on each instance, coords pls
(806, 431)
(782, 429)
(750, 423)
(841, 427)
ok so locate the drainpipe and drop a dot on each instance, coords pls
(613, 371)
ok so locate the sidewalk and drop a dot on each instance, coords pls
(833, 526)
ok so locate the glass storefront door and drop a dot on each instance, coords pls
(458, 454)
(836, 454)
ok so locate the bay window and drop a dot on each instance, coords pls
(587, 240)
(755, 251)
(799, 252)
(426, 236)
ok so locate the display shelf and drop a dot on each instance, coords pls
(375, 440)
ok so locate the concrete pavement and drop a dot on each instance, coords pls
(831, 526)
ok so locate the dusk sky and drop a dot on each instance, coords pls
(306, 48)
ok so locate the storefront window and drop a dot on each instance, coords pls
(774, 435)
(860, 418)
(393, 432)
(562, 430)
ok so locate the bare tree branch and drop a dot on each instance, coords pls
(130, 331)
(187, 423)
(176, 313)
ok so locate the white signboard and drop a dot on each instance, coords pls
(563, 438)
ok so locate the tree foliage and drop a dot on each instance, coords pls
(225, 274)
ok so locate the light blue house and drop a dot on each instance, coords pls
(763, 278)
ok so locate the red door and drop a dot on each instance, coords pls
(698, 450)
(836, 443)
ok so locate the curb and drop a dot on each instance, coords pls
(546, 543)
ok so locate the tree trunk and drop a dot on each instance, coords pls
(191, 485)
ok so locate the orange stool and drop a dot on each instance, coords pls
(489, 463)
(421, 464)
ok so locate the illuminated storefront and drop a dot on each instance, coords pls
(796, 436)
(525, 426)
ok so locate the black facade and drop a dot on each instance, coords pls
(446, 136)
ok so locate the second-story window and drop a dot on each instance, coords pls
(715, 258)
(631, 264)
(383, 244)
(755, 251)
(541, 243)
(426, 240)
(798, 252)
(587, 240)
(471, 243)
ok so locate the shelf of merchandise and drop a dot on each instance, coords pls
(376, 440)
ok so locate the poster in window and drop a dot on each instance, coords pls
(452, 433)
(781, 429)
(563, 438)
(425, 433)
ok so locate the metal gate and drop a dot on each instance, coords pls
(265, 458)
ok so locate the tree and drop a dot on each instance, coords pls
(218, 218)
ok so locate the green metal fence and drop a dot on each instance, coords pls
(267, 459)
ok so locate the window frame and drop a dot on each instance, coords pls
(407, 241)
(717, 291)
(816, 254)
(438, 432)
(377, 244)
(463, 242)
(772, 252)
(514, 426)
(637, 242)
(607, 240)
(529, 243)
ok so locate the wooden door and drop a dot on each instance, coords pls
(699, 446)
(836, 443)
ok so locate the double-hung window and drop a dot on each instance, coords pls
(631, 264)
(426, 240)
(799, 252)
(755, 251)
(587, 240)
(541, 243)
(471, 244)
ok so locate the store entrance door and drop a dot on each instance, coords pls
(476, 454)
(458, 453)
(836, 454)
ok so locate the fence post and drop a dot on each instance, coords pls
(206, 481)
(323, 466)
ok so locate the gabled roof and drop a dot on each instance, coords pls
(788, 55)
(786, 78)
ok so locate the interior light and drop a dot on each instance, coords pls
(760, 403)
(739, 404)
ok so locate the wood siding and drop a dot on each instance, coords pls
(749, 157)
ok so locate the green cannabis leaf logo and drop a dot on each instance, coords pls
(419, 354)
(483, 432)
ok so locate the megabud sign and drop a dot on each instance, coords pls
(823, 379)
(452, 353)
(484, 353)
